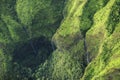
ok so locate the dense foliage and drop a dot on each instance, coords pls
(59, 40)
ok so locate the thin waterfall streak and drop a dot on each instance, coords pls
(25, 30)
(52, 45)
(86, 52)
(34, 50)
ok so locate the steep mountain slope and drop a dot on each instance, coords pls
(60, 40)
(86, 33)
(26, 29)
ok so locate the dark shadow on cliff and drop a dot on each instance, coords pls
(25, 56)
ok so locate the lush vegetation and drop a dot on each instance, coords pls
(59, 40)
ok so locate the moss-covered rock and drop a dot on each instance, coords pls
(97, 34)
(107, 61)
(105, 47)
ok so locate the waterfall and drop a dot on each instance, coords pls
(52, 44)
(27, 33)
(86, 52)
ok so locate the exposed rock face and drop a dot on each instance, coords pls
(60, 40)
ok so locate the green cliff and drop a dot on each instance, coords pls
(59, 40)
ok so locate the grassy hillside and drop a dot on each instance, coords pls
(59, 40)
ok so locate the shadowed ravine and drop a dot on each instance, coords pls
(25, 55)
